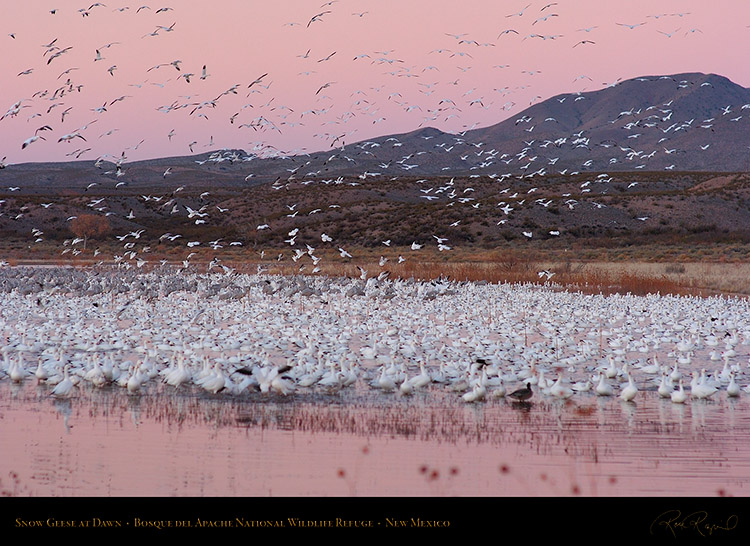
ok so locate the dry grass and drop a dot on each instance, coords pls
(592, 278)
(583, 278)
(726, 278)
(604, 274)
(638, 278)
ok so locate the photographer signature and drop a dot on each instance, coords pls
(674, 522)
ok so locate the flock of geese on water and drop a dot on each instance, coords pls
(73, 329)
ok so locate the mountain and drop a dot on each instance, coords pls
(682, 122)
(660, 158)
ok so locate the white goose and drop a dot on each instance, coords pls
(679, 396)
(582, 386)
(603, 388)
(406, 388)
(41, 372)
(421, 380)
(135, 380)
(651, 369)
(499, 391)
(385, 381)
(64, 389)
(477, 394)
(630, 391)
(699, 388)
(179, 375)
(17, 372)
(726, 372)
(611, 371)
(666, 388)
(558, 390)
(733, 389)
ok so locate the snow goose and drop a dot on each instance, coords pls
(665, 388)
(679, 396)
(630, 391)
(603, 388)
(733, 389)
(64, 389)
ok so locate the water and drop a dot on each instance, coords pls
(356, 440)
(188, 443)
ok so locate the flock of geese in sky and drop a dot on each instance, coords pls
(251, 109)
(69, 330)
(51, 108)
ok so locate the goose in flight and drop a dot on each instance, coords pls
(317, 17)
(30, 140)
(668, 34)
(520, 13)
(324, 86)
(257, 80)
(71, 136)
(545, 18)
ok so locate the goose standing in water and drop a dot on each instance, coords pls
(406, 388)
(603, 388)
(521, 395)
(41, 372)
(558, 390)
(17, 372)
(385, 381)
(733, 389)
(421, 380)
(477, 394)
(611, 371)
(215, 381)
(665, 388)
(699, 388)
(676, 375)
(133, 383)
(679, 396)
(629, 392)
(64, 389)
(581, 386)
(499, 391)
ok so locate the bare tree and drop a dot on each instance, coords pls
(90, 226)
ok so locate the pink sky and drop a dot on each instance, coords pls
(397, 67)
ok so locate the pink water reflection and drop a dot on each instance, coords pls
(110, 444)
